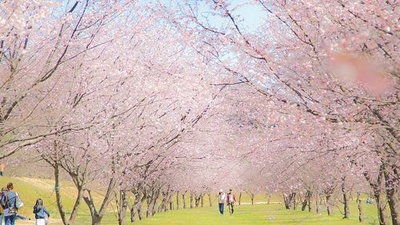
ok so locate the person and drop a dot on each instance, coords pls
(9, 200)
(41, 213)
(3, 192)
(2, 167)
(230, 201)
(221, 201)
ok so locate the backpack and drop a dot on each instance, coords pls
(3, 200)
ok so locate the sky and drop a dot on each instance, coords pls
(249, 14)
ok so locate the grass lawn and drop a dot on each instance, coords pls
(254, 215)
(244, 215)
(274, 213)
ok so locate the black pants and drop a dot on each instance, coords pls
(230, 207)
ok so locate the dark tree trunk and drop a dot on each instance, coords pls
(360, 212)
(58, 194)
(328, 198)
(198, 200)
(183, 200)
(97, 216)
(393, 194)
(328, 204)
(209, 199)
(380, 206)
(177, 200)
(307, 201)
(152, 195)
(166, 200)
(376, 188)
(122, 205)
(136, 206)
(269, 196)
(289, 200)
(191, 199)
(346, 210)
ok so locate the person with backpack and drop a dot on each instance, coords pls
(41, 213)
(2, 193)
(9, 200)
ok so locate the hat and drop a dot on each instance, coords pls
(220, 190)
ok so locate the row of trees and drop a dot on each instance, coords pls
(333, 67)
(156, 98)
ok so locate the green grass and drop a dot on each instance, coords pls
(272, 214)
(31, 189)
(251, 215)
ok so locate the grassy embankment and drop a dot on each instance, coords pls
(245, 214)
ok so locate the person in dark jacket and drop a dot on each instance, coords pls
(41, 213)
(9, 200)
(2, 207)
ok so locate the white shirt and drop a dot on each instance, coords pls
(221, 197)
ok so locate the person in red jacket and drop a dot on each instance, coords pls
(230, 201)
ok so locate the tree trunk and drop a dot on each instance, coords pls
(328, 198)
(317, 203)
(152, 200)
(166, 200)
(240, 198)
(209, 199)
(393, 195)
(97, 216)
(77, 204)
(137, 205)
(56, 164)
(328, 204)
(289, 200)
(122, 205)
(197, 200)
(346, 210)
(58, 194)
(294, 201)
(191, 199)
(376, 188)
(360, 212)
(177, 200)
(269, 196)
(307, 201)
(183, 200)
(380, 206)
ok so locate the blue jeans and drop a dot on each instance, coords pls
(10, 219)
(221, 208)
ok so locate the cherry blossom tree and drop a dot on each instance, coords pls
(162, 92)
(333, 63)
(39, 41)
(95, 97)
